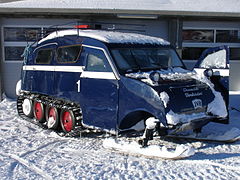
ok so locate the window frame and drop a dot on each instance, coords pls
(207, 45)
(86, 54)
(200, 29)
(70, 62)
(15, 43)
(27, 28)
(41, 49)
(18, 43)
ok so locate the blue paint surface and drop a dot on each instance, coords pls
(110, 104)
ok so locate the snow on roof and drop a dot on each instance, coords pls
(109, 36)
(168, 7)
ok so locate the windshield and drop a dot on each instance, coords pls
(131, 59)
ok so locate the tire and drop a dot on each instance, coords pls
(67, 120)
(52, 117)
(38, 111)
(27, 107)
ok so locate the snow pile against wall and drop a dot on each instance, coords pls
(109, 37)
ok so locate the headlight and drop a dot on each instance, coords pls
(155, 77)
(208, 72)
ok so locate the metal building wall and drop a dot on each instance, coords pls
(1, 73)
(12, 69)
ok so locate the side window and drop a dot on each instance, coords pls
(44, 56)
(97, 61)
(68, 54)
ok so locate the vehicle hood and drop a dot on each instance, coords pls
(184, 92)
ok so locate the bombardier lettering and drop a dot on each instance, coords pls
(193, 94)
(190, 89)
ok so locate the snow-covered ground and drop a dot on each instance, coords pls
(29, 152)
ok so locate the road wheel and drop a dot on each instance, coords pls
(52, 117)
(27, 108)
(67, 120)
(38, 111)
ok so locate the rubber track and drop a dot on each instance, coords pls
(47, 102)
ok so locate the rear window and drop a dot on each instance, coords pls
(68, 54)
(44, 56)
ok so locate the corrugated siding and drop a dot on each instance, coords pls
(234, 82)
(1, 74)
(11, 74)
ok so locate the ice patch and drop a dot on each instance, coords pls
(108, 36)
(181, 151)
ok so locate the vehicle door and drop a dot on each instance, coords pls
(67, 70)
(99, 89)
(216, 60)
(41, 74)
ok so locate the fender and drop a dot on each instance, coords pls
(144, 99)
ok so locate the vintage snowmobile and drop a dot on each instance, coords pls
(117, 82)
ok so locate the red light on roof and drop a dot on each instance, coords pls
(82, 26)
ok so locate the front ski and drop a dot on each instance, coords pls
(230, 136)
(151, 151)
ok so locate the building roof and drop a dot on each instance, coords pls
(109, 36)
(230, 8)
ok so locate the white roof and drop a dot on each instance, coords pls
(109, 37)
(167, 7)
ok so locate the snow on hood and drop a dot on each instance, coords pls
(109, 37)
(173, 74)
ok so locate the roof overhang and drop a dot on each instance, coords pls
(202, 8)
(143, 14)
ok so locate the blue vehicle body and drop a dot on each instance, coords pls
(108, 98)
